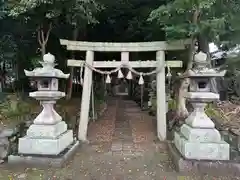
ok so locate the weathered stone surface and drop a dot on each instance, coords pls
(40, 161)
(124, 47)
(47, 131)
(48, 135)
(48, 116)
(234, 154)
(198, 118)
(210, 167)
(209, 96)
(4, 143)
(202, 150)
(45, 146)
(200, 135)
(117, 146)
(198, 138)
(48, 69)
(234, 138)
(224, 135)
(6, 133)
(4, 148)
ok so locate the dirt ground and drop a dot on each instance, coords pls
(92, 164)
(122, 146)
(230, 113)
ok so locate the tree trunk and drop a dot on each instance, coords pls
(43, 49)
(69, 91)
(3, 76)
(43, 37)
(184, 84)
(181, 100)
(1, 89)
(204, 47)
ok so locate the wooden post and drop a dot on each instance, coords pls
(86, 94)
(70, 86)
(161, 98)
(142, 95)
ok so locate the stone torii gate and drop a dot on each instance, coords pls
(159, 46)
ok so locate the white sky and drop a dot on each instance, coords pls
(212, 47)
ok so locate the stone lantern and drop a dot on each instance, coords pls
(198, 139)
(48, 135)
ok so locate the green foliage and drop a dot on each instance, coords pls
(35, 8)
(35, 61)
(77, 12)
(46, 17)
(13, 106)
(233, 59)
(172, 104)
(125, 21)
(213, 112)
(232, 77)
(7, 42)
(215, 18)
(210, 110)
(82, 12)
(2, 9)
(8, 48)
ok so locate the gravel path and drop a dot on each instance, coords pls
(122, 146)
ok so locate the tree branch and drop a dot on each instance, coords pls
(39, 37)
(195, 19)
(48, 32)
(42, 36)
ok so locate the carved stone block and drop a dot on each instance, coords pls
(202, 151)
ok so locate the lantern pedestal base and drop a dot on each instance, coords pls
(44, 146)
(46, 161)
(46, 131)
(209, 167)
(201, 150)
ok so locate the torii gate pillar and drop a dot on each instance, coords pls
(161, 97)
(86, 94)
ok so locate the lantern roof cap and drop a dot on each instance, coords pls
(47, 69)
